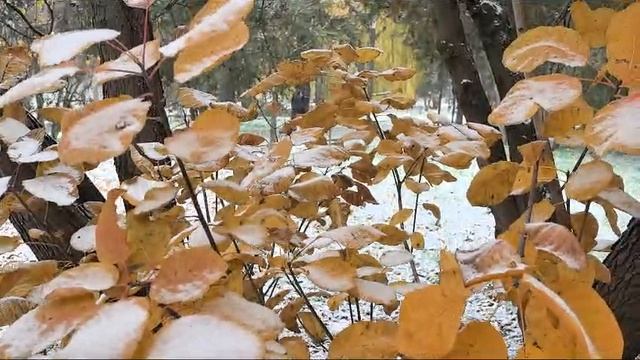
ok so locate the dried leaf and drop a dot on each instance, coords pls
(56, 48)
(12, 308)
(353, 237)
(395, 257)
(622, 46)
(296, 347)
(192, 98)
(400, 216)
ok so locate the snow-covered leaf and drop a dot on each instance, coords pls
(46, 80)
(616, 127)
(57, 188)
(56, 48)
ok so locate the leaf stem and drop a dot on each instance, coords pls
(529, 211)
(296, 285)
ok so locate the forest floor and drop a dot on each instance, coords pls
(462, 227)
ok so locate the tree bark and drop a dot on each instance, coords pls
(468, 89)
(57, 222)
(130, 22)
(300, 100)
(622, 294)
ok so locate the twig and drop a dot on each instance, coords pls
(357, 301)
(350, 309)
(51, 16)
(576, 166)
(584, 220)
(529, 211)
(23, 17)
(371, 312)
(296, 285)
(415, 206)
(194, 200)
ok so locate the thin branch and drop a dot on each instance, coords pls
(16, 30)
(584, 220)
(51, 16)
(529, 211)
(296, 285)
(23, 17)
(576, 166)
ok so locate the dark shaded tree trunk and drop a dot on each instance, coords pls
(130, 22)
(468, 89)
(300, 100)
(622, 294)
(57, 222)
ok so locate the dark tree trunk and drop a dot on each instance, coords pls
(57, 222)
(130, 22)
(468, 90)
(622, 294)
(300, 100)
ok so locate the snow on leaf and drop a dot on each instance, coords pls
(186, 275)
(113, 332)
(589, 179)
(9, 243)
(550, 92)
(155, 198)
(101, 130)
(48, 323)
(57, 188)
(11, 130)
(4, 184)
(374, 292)
(228, 190)
(321, 156)
(315, 189)
(125, 64)
(56, 48)
(233, 307)
(353, 237)
(191, 337)
(46, 80)
(366, 340)
(546, 43)
(494, 260)
(84, 239)
(140, 4)
(567, 126)
(215, 17)
(559, 241)
(89, 276)
(616, 127)
(395, 257)
(210, 52)
(211, 137)
(193, 98)
(621, 201)
(333, 274)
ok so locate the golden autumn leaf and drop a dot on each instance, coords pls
(567, 126)
(47, 324)
(331, 274)
(296, 347)
(615, 127)
(314, 189)
(186, 275)
(211, 137)
(550, 92)
(268, 164)
(620, 200)
(585, 226)
(111, 240)
(147, 238)
(478, 340)
(125, 64)
(190, 337)
(416, 340)
(228, 190)
(400, 216)
(397, 74)
(493, 260)
(20, 278)
(492, 184)
(56, 48)
(210, 52)
(398, 102)
(90, 276)
(353, 237)
(591, 24)
(623, 44)
(193, 98)
(312, 325)
(488, 133)
(113, 332)
(545, 43)
(366, 340)
(367, 54)
(101, 130)
(320, 156)
(54, 114)
(395, 257)
(589, 180)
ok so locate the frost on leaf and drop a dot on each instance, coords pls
(47, 80)
(101, 130)
(57, 188)
(494, 260)
(125, 64)
(84, 239)
(211, 137)
(546, 43)
(321, 156)
(186, 275)
(215, 17)
(589, 179)
(113, 332)
(353, 237)
(210, 52)
(48, 323)
(205, 336)
(90, 276)
(56, 48)
(395, 257)
(366, 340)
(550, 92)
(558, 241)
(374, 292)
(616, 127)
(11, 130)
(193, 98)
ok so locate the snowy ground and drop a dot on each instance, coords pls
(462, 226)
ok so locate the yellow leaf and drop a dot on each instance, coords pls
(585, 226)
(492, 184)
(417, 240)
(12, 308)
(274, 160)
(546, 43)
(186, 275)
(54, 114)
(416, 340)
(559, 241)
(589, 179)
(353, 237)
(296, 347)
(111, 240)
(392, 235)
(228, 190)
(101, 130)
(435, 211)
(193, 98)
(400, 216)
(567, 126)
(366, 340)
(620, 200)
(321, 156)
(397, 74)
(209, 52)
(9, 243)
(211, 137)
(331, 274)
(147, 240)
(334, 302)
(398, 102)
(623, 44)
(478, 340)
(315, 189)
(15, 62)
(488, 133)
(312, 325)
(550, 92)
(591, 24)
(367, 54)
(395, 257)
(416, 187)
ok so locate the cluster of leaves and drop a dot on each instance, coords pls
(153, 284)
